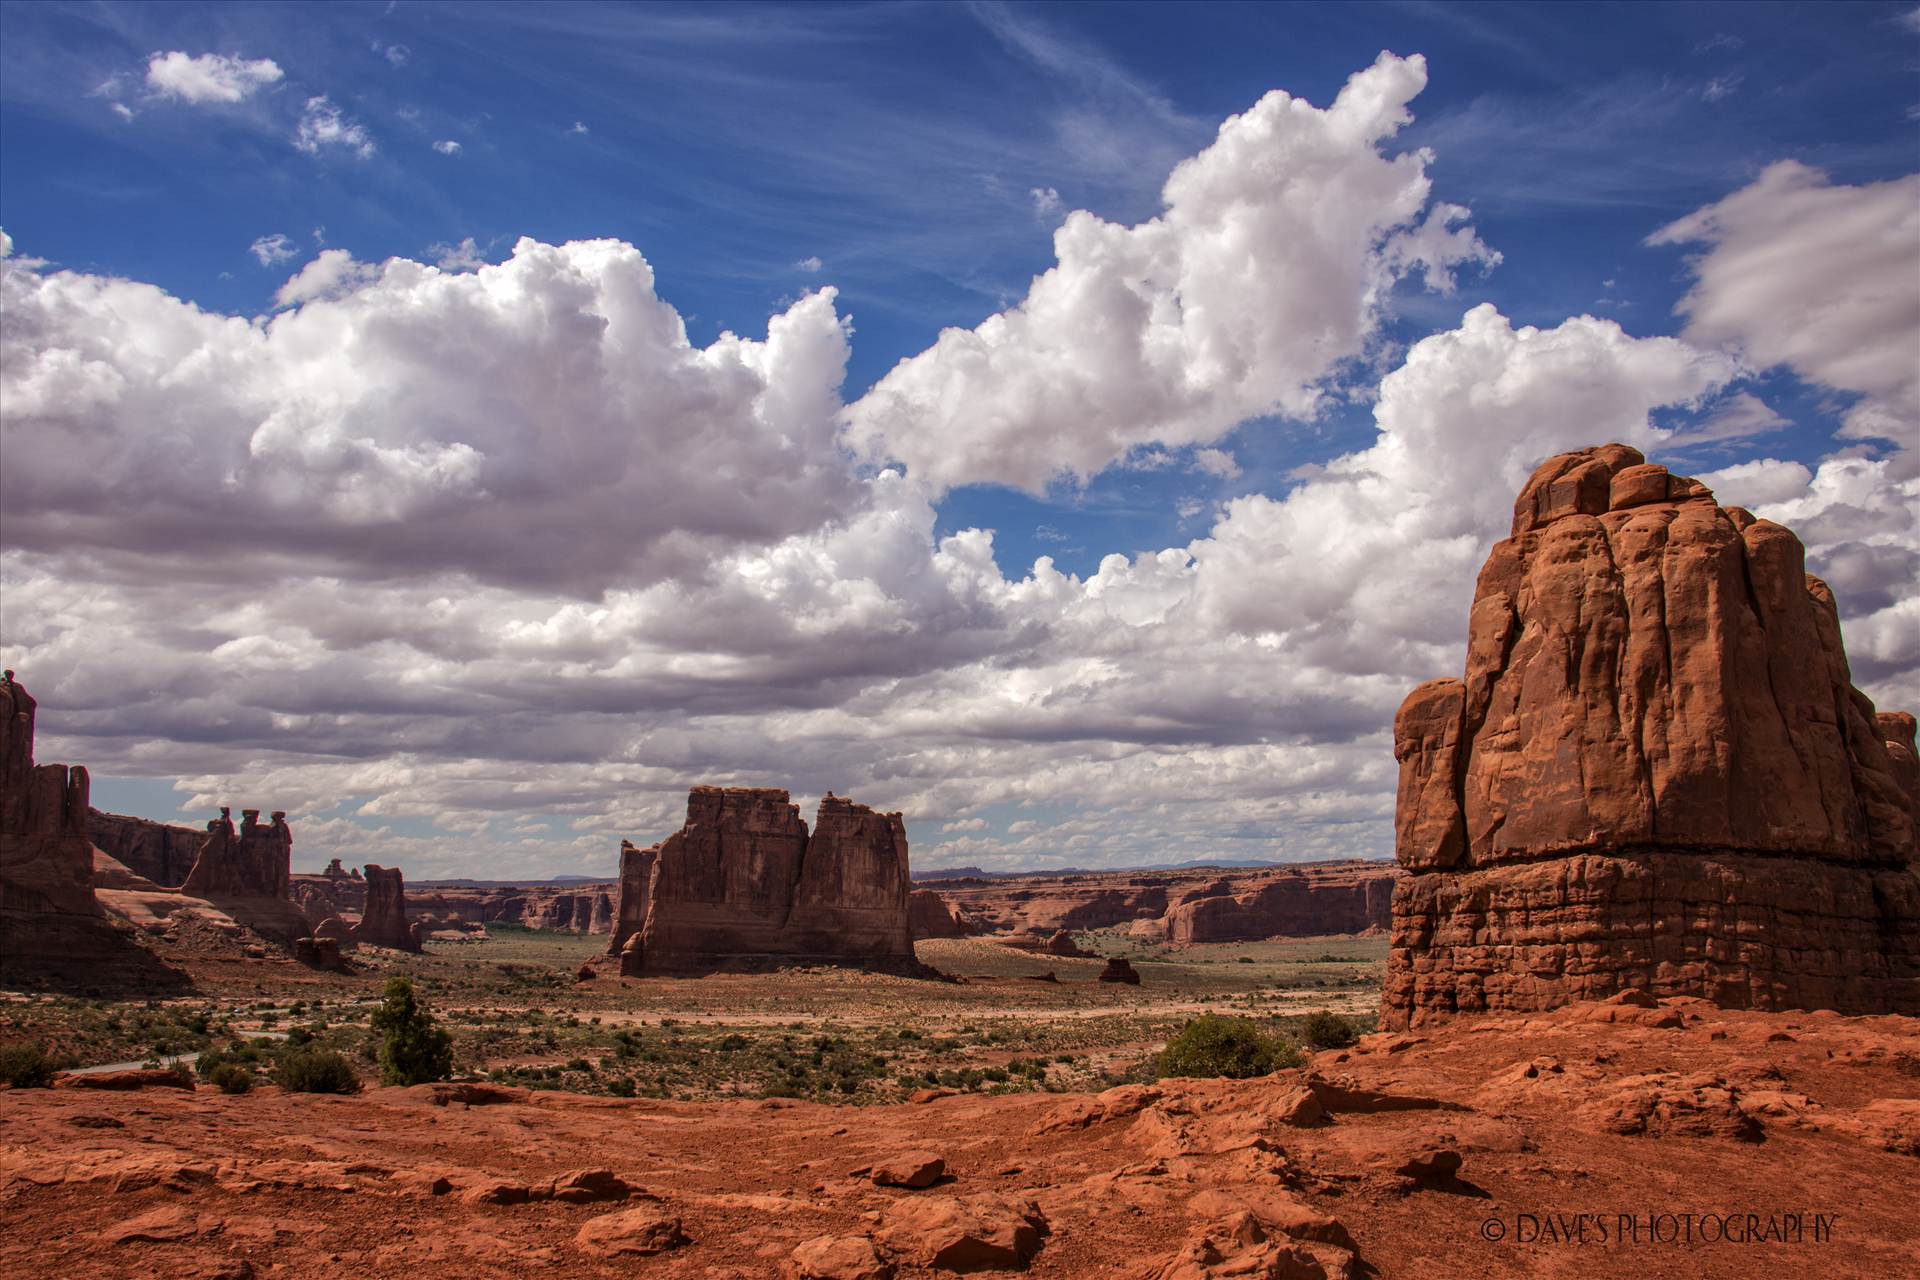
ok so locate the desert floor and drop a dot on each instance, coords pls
(1599, 1140)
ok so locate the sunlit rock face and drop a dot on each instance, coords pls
(744, 883)
(1656, 772)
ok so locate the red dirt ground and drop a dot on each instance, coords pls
(1595, 1110)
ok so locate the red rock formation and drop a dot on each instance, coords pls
(46, 861)
(254, 863)
(1897, 729)
(930, 917)
(1656, 772)
(1119, 970)
(1293, 902)
(635, 893)
(384, 922)
(1209, 904)
(742, 882)
(160, 851)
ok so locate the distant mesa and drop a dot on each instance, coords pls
(1655, 775)
(1183, 906)
(743, 883)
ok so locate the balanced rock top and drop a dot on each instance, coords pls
(1645, 667)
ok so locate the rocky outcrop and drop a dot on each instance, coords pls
(46, 860)
(384, 922)
(1119, 970)
(743, 882)
(929, 916)
(160, 851)
(581, 909)
(1655, 774)
(1293, 902)
(634, 894)
(255, 862)
(1206, 904)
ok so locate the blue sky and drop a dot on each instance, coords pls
(351, 638)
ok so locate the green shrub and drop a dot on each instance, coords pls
(1214, 1045)
(1325, 1030)
(412, 1049)
(25, 1065)
(211, 1060)
(231, 1077)
(315, 1071)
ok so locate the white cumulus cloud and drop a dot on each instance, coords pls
(209, 77)
(271, 249)
(1268, 269)
(1820, 278)
(447, 147)
(322, 125)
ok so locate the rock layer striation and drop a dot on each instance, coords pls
(1656, 772)
(743, 882)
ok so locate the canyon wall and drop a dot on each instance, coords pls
(1206, 904)
(743, 883)
(1655, 773)
(160, 851)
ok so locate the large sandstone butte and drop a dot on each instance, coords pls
(744, 883)
(256, 862)
(1656, 774)
(46, 862)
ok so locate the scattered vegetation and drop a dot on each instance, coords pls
(1324, 1029)
(315, 1071)
(412, 1049)
(511, 1010)
(25, 1065)
(231, 1077)
(1216, 1045)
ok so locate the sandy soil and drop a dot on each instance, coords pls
(1568, 1128)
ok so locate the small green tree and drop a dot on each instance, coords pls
(1214, 1045)
(412, 1049)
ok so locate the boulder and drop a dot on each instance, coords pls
(1655, 772)
(910, 1169)
(631, 1233)
(972, 1233)
(318, 953)
(1118, 970)
(838, 1258)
